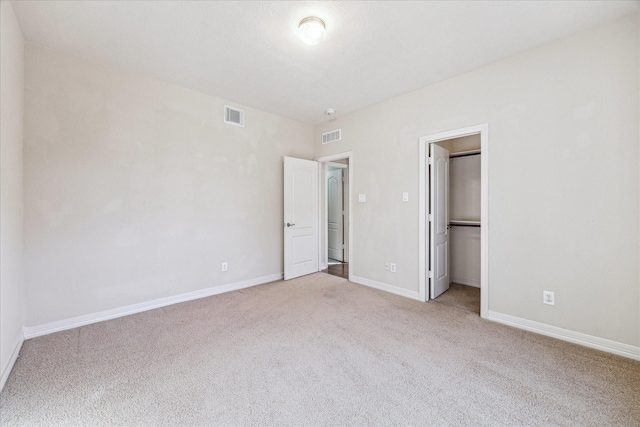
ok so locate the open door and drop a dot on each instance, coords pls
(439, 220)
(335, 214)
(300, 217)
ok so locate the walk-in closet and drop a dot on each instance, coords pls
(464, 210)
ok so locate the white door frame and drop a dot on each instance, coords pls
(423, 226)
(324, 162)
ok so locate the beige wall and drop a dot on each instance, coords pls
(11, 187)
(563, 179)
(136, 190)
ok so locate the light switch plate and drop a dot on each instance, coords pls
(405, 197)
(362, 198)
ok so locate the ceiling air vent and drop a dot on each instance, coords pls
(334, 135)
(233, 116)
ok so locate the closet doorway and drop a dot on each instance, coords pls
(453, 217)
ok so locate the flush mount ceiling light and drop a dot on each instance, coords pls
(311, 30)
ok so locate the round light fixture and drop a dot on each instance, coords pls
(311, 30)
(330, 112)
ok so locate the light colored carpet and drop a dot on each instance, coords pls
(461, 297)
(317, 350)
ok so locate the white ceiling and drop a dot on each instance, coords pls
(248, 52)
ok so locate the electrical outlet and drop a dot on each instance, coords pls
(386, 266)
(549, 297)
(393, 267)
(225, 266)
(362, 198)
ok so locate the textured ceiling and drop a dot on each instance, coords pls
(249, 53)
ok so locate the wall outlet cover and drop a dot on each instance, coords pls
(362, 198)
(548, 297)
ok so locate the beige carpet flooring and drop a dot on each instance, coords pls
(317, 350)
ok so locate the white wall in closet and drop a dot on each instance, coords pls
(464, 204)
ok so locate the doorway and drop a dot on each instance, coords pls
(335, 222)
(337, 211)
(453, 214)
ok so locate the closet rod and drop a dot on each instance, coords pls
(464, 225)
(454, 155)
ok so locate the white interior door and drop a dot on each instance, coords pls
(300, 217)
(439, 220)
(335, 214)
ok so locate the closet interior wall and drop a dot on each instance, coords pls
(464, 210)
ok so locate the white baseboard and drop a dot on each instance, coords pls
(603, 344)
(465, 282)
(6, 370)
(386, 287)
(74, 322)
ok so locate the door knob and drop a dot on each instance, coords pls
(290, 225)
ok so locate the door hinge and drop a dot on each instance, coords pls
(430, 217)
(430, 274)
(342, 212)
(430, 160)
(343, 246)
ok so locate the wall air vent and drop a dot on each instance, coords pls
(334, 135)
(233, 116)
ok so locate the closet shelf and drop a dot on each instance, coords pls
(464, 223)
